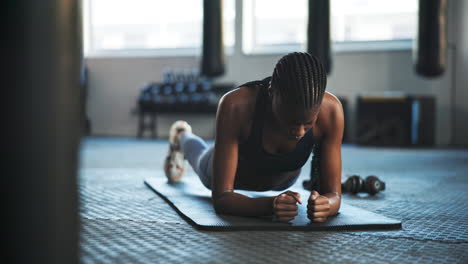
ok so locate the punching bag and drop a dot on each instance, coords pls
(42, 55)
(430, 49)
(212, 64)
(318, 32)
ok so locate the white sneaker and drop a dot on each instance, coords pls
(174, 164)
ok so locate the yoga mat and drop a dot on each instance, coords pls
(193, 202)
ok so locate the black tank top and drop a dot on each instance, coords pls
(252, 152)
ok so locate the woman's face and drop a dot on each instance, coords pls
(292, 120)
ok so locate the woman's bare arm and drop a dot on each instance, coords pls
(225, 200)
(328, 201)
(330, 176)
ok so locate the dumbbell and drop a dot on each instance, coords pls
(205, 86)
(179, 87)
(191, 87)
(370, 185)
(168, 76)
(144, 98)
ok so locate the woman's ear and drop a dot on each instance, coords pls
(270, 91)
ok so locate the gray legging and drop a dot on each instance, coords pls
(200, 157)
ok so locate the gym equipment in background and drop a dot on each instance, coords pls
(179, 92)
(355, 184)
(430, 52)
(213, 61)
(43, 123)
(318, 32)
(395, 120)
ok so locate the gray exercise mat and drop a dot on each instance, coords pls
(193, 202)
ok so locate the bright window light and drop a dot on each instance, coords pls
(373, 20)
(270, 23)
(145, 25)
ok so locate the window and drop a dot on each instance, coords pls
(373, 20)
(273, 24)
(148, 26)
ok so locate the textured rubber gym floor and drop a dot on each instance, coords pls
(123, 221)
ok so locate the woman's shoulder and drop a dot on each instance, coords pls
(240, 100)
(246, 94)
(331, 102)
(331, 116)
(238, 106)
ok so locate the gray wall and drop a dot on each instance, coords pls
(114, 83)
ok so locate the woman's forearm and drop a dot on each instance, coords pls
(237, 204)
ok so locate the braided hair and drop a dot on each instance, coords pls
(300, 79)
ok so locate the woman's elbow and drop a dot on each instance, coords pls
(219, 204)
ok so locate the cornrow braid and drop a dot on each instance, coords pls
(300, 79)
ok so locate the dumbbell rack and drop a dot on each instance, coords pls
(176, 97)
